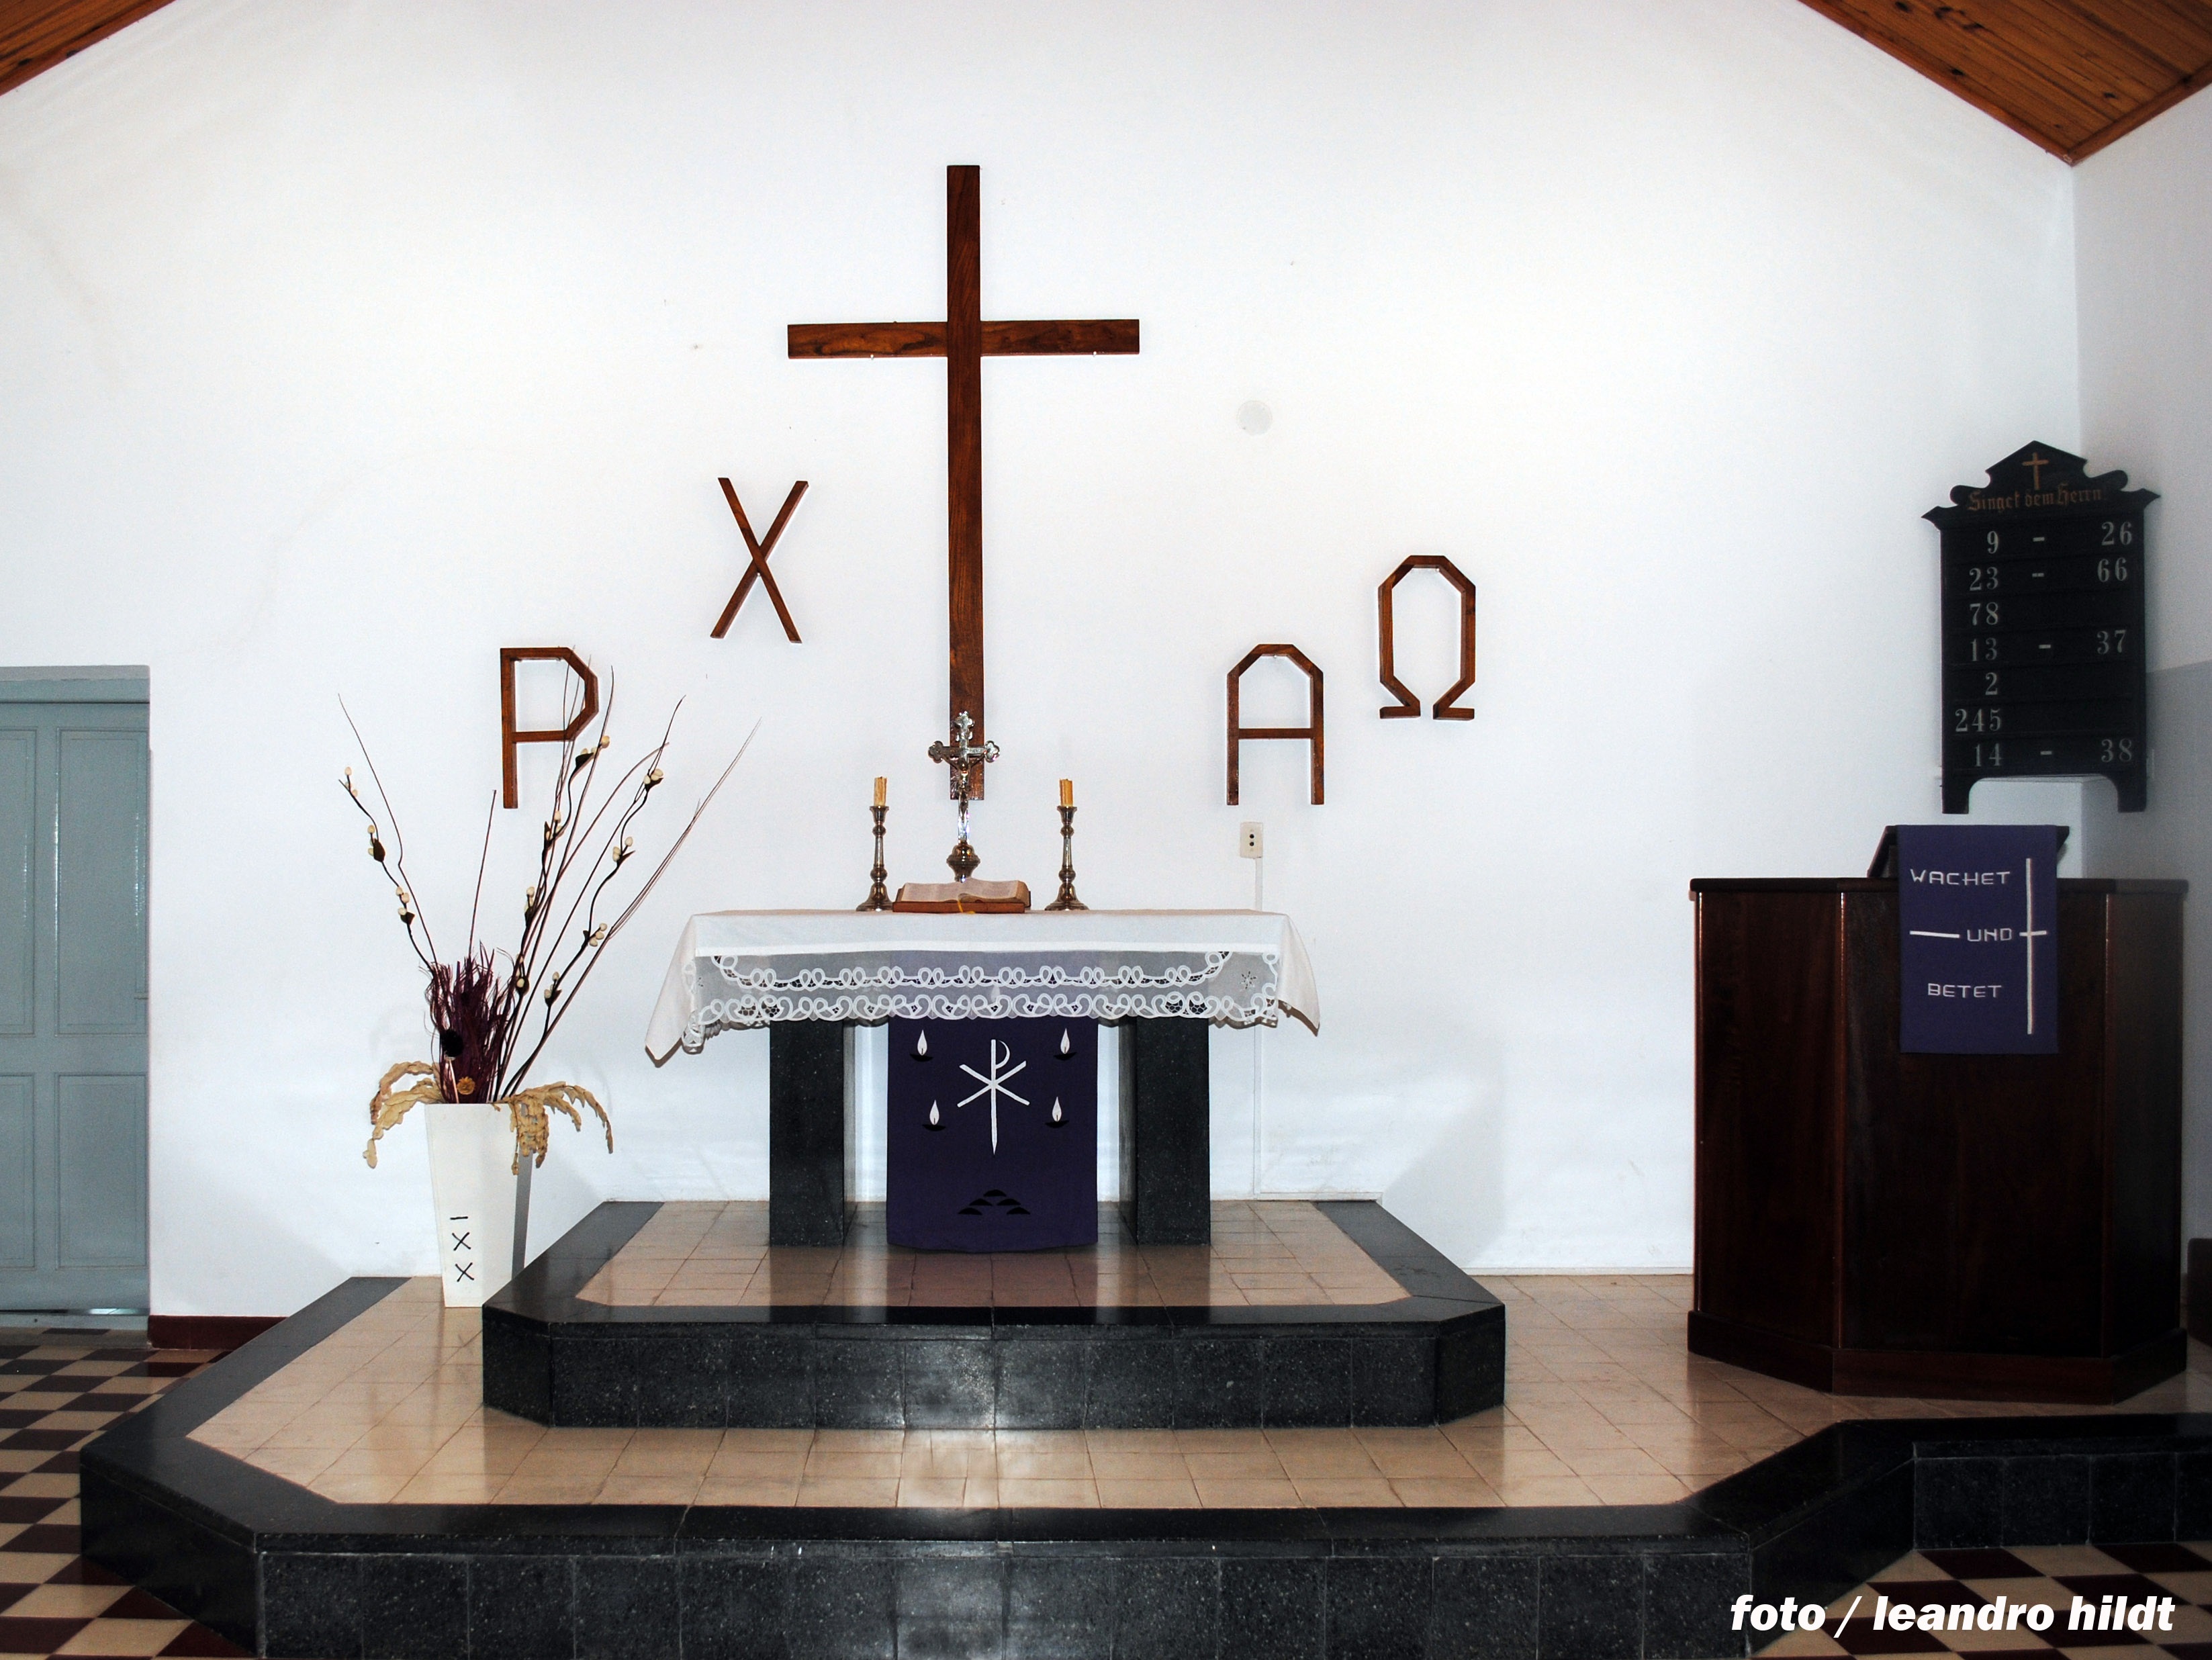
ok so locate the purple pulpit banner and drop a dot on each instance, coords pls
(993, 1140)
(1978, 948)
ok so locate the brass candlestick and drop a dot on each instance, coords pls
(877, 899)
(1067, 901)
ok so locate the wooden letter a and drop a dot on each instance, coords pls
(1310, 732)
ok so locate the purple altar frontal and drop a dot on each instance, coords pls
(991, 1143)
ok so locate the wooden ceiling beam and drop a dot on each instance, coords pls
(2069, 74)
(37, 35)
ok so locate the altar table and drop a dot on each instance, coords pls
(1164, 978)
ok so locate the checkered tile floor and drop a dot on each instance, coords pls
(58, 1391)
(2052, 1574)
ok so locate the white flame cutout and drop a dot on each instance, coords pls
(921, 1045)
(1055, 1110)
(934, 1121)
(1065, 1047)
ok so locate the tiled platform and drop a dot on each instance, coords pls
(1278, 1254)
(1604, 1407)
(335, 1489)
(1297, 1316)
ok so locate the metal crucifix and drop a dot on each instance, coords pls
(964, 339)
(967, 759)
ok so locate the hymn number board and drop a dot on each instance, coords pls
(2042, 626)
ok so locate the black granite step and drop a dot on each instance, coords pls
(1437, 1354)
(284, 1572)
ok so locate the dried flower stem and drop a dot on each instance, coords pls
(480, 1005)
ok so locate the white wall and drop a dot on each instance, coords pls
(2144, 207)
(341, 345)
(2144, 213)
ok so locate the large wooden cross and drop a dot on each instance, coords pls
(964, 339)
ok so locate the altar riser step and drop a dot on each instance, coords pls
(919, 1378)
(1657, 1580)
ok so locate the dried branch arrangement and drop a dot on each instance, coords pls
(495, 1008)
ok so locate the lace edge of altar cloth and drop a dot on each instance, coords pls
(1251, 983)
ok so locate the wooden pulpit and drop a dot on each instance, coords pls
(1981, 1226)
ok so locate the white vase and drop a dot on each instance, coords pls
(473, 1189)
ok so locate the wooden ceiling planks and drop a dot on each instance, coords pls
(2070, 75)
(37, 35)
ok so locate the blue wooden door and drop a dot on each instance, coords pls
(73, 799)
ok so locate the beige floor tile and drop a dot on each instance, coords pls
(1441, 1462)
(443, 1487)
(716, 1490)
(1017, 1493)
(1167, 1466)
(1258, 1464)
(758, 1466)
(1322, 1452)
(31, 1567)
(853, 1492)
(1520, 1466)
(522, 1489)
(1246, 1493)
(364, 1489)
(1460, 1490)
(1146, 1495)
(1637, 1489)
(41, 1486)
(1044, 1466)
(669, 1452)
(931, 1491)
(1612, 1461)
(852, 1466)
(1347, 1492)
(1545, 1490)
(125, 1637)
(666, 1488)
(66, 1601)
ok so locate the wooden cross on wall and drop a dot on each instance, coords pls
(964, 339)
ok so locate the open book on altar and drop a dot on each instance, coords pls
(967, 897)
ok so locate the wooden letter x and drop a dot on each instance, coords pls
(1408, 706)
(1310, 731)
(509, 737)
(759, 552)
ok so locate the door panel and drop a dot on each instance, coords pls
(101, 1125)
(73, 1101)
(99, 880)
(19, 1210)
(19, 811)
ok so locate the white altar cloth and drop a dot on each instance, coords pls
(735, 970)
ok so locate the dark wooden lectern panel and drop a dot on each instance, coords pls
(1764, 1174)
(1974, 1189)
(1871, 1222)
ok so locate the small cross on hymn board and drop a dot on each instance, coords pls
(964, 339)
(2036, 461)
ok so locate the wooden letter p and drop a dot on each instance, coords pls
(509, 737)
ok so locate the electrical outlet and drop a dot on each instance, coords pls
(1251, 839)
